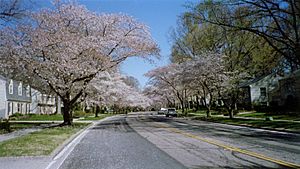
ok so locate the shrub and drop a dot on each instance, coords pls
(77, 114)
(5, 125)
(16, 115)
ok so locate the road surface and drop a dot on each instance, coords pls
(145, 141)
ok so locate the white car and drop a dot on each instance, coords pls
(162, 111)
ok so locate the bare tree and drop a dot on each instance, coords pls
(11, 9)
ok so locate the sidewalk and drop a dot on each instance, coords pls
(25, 162)
(18, 133)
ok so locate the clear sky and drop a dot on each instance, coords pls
(159, 15)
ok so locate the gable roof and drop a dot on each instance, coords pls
(251, 81)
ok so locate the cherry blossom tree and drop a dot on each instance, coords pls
(112, 89)
(170, 77)
(66, 47)
(160, 96)
(204, 75)
(207, 75)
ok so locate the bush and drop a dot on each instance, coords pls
(5, 125)
(77, 114)
(16, 115)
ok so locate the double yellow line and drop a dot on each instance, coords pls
(250, 153)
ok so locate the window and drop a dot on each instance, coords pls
(28, 91)
(263, 92)
(10, 108)
(11, 87)
(19, 107)
(20, 89)
(28, 108)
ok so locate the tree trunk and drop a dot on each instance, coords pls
(182, 107)
(230, 111)
(197, 103)
(67, 114)
(97, 111)
(208, 113)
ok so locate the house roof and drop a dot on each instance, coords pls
(252, 81)
(294, 74)
(249, 82)
(2, 77)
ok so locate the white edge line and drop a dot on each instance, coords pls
(72, 145)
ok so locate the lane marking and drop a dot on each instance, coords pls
(235, 149)
(62, 156)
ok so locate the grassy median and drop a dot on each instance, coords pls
(39, 143)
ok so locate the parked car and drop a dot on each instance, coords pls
(171, 112)
(162, 111)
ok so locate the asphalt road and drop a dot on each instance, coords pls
(142, 141)
(112, 144)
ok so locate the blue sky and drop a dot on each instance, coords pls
(159, 15)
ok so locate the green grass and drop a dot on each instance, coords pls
(38, 117)
(38, 143)
(49, 117)
(275, 116)
(100, 116)
(292, 126)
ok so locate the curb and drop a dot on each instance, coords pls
(68, 141)
(59, 155)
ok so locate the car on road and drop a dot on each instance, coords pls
(162, 111)
(171, 112)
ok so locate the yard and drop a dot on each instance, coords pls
(293, 117)
(38, 143)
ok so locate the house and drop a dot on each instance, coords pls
(15, 97)
(44, 103)
(260, 91)
(273, 90)
(289, 91)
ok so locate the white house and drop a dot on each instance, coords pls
(44, 103)
(14, 97)
(273, 90)
(17, 97)
(258, 91)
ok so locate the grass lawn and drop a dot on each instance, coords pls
(292, 126)
(39, 143)
(275, 116)
(48, 117)
(100, 116)
(38, 117)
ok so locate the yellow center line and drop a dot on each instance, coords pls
(235, 149)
